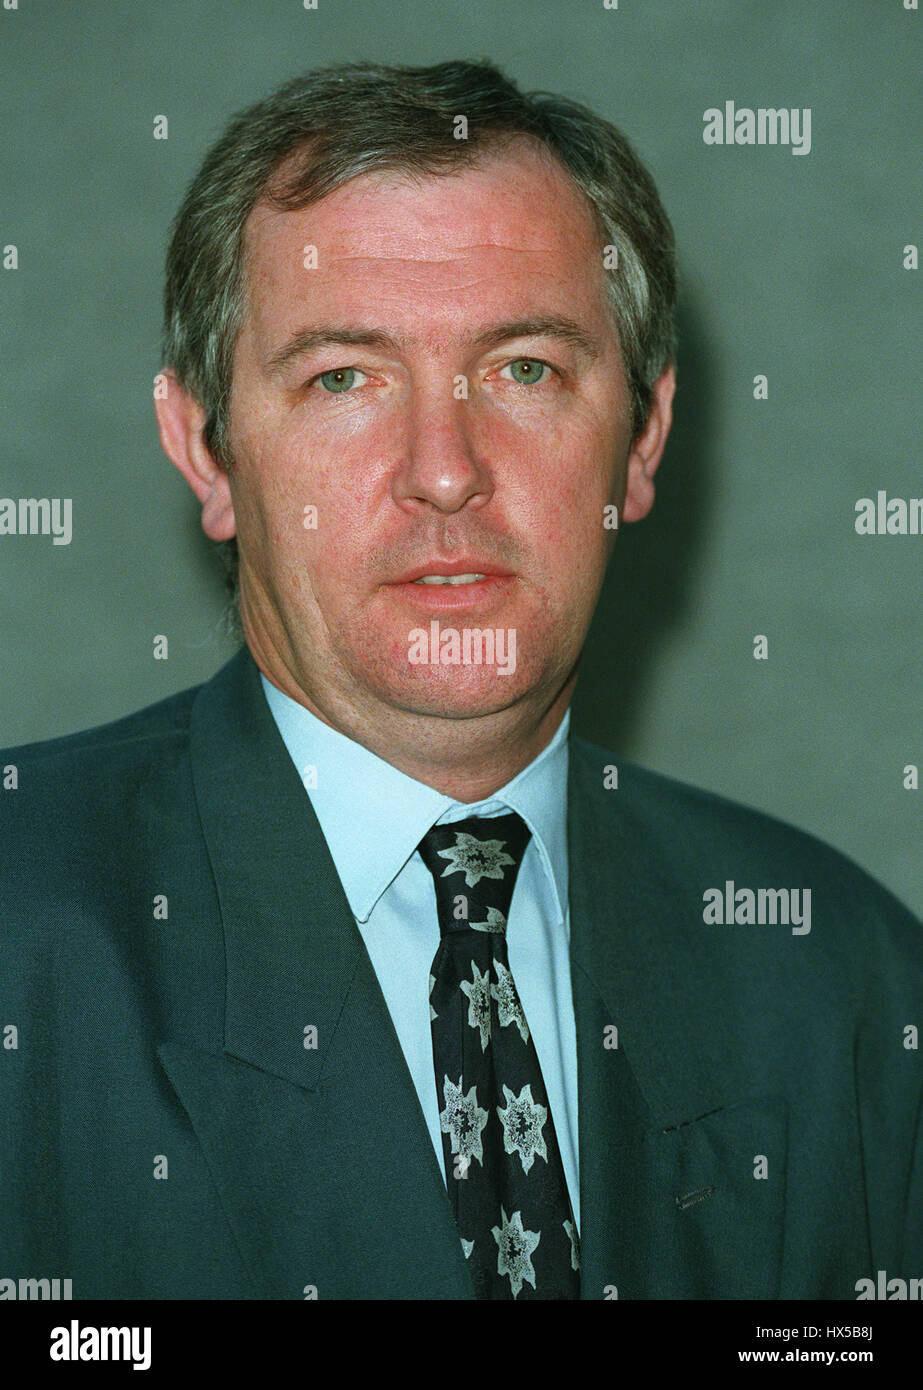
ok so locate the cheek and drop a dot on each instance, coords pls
(271, 517)
(562, 473)
(335, 467)
(295, 499)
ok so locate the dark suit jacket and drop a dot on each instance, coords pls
(142, 1039)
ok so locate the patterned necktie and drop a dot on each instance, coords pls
(504, 1172)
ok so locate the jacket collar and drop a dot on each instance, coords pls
(282, 904)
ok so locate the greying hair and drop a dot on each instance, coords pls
(330, 126)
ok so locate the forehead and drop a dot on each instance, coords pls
(512, 227)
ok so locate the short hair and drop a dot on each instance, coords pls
(334, 124)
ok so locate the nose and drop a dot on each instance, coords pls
(441, 466)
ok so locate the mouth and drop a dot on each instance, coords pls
(467, 569)
(464, 583)
(453, 579)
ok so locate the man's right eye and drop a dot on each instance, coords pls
(338, 380)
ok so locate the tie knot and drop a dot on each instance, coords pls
(477, 860)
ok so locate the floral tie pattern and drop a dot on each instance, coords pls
(504, 1172)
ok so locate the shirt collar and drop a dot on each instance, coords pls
(360, 798)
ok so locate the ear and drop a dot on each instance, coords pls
(647, 449)
(180, 422)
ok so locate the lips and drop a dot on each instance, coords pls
(468, 565)
(480, 587)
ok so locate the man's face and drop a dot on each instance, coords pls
(460, 404)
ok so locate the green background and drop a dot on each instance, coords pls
(790, 266)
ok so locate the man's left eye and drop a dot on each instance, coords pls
(527, 370)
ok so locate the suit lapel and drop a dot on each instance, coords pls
(670, 1207)
(320, 1153)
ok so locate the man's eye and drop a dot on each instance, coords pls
(527, 370)
(338, 380)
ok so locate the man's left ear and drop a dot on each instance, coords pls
(647, 450)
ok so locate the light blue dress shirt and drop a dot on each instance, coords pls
(373, 816)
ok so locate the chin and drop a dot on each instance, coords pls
(453, 692)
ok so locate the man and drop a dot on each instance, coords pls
(352, 973)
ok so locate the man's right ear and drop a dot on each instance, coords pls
(180, 423)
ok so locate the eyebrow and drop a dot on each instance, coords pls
(326, 335)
